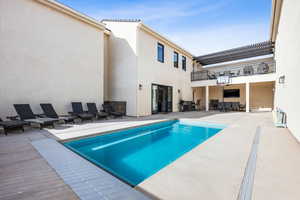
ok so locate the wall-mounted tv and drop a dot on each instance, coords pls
(231, 93)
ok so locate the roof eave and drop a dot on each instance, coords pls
(275, 17)
(249, 51)
(165, 40)
(72, 13)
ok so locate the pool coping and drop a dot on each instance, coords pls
(202, 123)
(111, 131)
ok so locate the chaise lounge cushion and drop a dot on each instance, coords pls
(51, 113)
(13, 124)
(78, 111)
(25, 113)
(44, 121)
(92, 109)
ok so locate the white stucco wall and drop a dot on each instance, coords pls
(238, 80)
(123, 64)
(106, 68)
(287, 51)
(152, 71)
(133, 61)
(47, 56)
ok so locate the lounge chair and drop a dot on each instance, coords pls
(92, 109)
(78, 111)
(109, 109)
(13, 124)
(51, 113)
(25, 113)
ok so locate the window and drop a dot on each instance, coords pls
(160, 52)
(175, 59)
(184, 63)
(232, 93)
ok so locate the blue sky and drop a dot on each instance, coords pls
(200, 26)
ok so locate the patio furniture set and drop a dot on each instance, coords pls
(262, 68)
(226, 106)
(26, 117)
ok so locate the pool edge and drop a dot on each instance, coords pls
(114, 130)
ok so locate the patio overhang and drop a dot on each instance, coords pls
(249, 51)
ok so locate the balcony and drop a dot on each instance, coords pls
(234, 71)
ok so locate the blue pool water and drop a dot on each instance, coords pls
(135, 154)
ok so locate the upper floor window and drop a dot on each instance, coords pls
(175, 59)
(184, 63)
(160, 52)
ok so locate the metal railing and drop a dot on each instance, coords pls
(234, 71)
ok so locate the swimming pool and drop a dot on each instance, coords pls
(135, 154)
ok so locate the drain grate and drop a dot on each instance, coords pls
(248, 179)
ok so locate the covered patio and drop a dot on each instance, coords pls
(257, 96)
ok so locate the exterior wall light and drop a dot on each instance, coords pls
(140, 86)
(281, 79)
(178, 91)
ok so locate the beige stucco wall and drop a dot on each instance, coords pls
(152, 71)
(106, 68)
(122, 73)
(47, 56)
(216, 92)
(133, 61)
(287, 51)
(262, 95)
(199, 94)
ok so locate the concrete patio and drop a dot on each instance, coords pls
(213, 170)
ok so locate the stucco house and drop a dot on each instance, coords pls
(245, 75)
(148, 71)
(49, 54)
(285, 31)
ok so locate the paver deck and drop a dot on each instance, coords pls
(215, 169)
(24, 174)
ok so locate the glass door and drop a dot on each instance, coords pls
(154, 99)
(162, 98)
(170, 99)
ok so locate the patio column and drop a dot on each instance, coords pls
(247, 97)
(207, 98)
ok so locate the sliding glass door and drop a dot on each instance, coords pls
(154, 99)
(162, 99)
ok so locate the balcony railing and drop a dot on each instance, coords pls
(236, 71)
